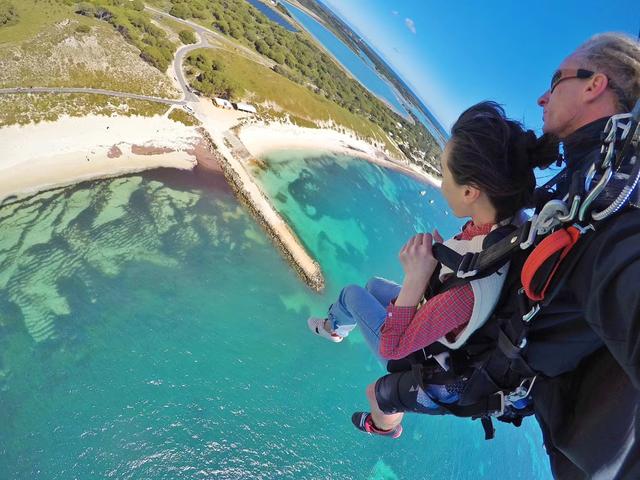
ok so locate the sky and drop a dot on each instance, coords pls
(457, 53)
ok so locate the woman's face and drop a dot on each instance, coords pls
(453, 193)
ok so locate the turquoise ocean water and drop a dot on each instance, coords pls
(150, 330)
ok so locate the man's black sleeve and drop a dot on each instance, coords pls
(606, 283)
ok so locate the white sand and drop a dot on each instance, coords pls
(261, 138)
(72, 149)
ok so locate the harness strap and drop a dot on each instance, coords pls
(542, 263)
(486, 262)
(490, 406)
(511, 351)
(431, 375)
(514, 352)
(489, 429)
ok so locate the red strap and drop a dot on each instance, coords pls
(562, 240)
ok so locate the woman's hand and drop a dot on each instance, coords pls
(417, 258)
(418, 264)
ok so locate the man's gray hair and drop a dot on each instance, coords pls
(617, 56)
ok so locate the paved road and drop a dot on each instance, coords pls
(96, 91)
(187, 95)
(201, 31)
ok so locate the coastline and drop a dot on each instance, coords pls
(47, 155)
(38, 157)
(261, 138)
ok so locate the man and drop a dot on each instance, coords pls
(586, 343)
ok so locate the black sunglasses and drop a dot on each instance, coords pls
(568, 73)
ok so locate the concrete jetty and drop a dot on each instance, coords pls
(233, 156)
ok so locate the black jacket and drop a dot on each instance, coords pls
(587, 342)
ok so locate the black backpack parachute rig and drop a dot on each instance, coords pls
(491, 364)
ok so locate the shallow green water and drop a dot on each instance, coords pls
(149, 330)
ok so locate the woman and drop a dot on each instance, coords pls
(487, 175)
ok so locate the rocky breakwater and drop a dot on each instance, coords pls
(231, 156)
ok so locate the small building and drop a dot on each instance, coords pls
(222, 103)
(245, 107)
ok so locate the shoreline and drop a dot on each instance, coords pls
(70, 150)
(261, 139)
(46, 155)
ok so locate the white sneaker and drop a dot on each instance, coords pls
(316, 325)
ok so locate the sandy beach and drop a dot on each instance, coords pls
(261, 138)
(46, 155)
(40, 156)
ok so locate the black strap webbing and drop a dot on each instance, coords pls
(486, 262)
(489, 429)
(509, 350)
(490, 405)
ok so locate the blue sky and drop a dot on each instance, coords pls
(457, 53)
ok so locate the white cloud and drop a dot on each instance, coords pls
(410, 25)
(395, 12)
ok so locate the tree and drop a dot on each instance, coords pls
(180, 10)
(235, 30)
(261, 46)
(276, 55)
(187, 36)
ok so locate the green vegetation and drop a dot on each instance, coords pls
(263, 85)
(33, 16)
(299, 59)
(8, 13)
(23, 109)
(281, 8)
(75, 51)
(128, 18)
(179, 115)
(187, 36)
(210, 78)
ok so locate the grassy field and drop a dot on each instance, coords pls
(52, 46)
(279, 95)
(179, 115)
(26, 108)
(35, 16)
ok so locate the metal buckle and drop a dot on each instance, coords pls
(532, 233)
(572, 212)
(582, 229)
(549, 215)
(593, 194)
(522, 391)
(531, 313)
(499, 413)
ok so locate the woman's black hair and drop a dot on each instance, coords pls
(497, 155)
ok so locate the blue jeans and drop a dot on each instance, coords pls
(367, 307)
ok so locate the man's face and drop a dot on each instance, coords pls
(562, 107)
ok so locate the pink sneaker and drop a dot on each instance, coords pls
(363, 421)
(316, 325)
